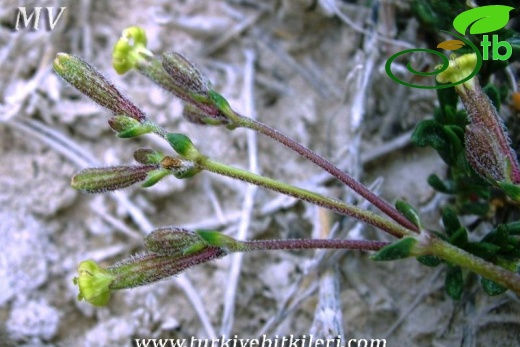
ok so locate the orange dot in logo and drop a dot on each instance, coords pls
(515, 101)
(451, 45)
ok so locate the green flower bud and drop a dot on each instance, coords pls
(94, 283)
(174, 241)
(127, 127)
(130, 49)
(122, 123)
(196, 115)
(487, 145)
(99, 180)
(183, 146)
(185, 75)
(148, 156)
(217, 239)
(93, 84)
(146, 268)
(483, 153)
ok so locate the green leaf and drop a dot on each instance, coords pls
(484, 250)
(461, 118)
(454, 283)
(459, 238)
(441, 138)
(493, 94)
(155, 176)
(447, 98)
(423, 10)
(457, 134)
(455, 138)
(511, 190)
(484, 19)
(447, 187)
(397, 250)
(514, 41)
(428, 133)
(450, 113)
(491, 288)
(429, 260)
(450, 221)
(500, 237)
(476, 208)
(513, 228)
(408, 212)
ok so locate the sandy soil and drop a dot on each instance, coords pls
(316, 78)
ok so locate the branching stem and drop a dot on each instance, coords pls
(327, 166)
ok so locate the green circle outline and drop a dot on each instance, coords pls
(445, 65)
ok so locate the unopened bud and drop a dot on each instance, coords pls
(487, 145)
(196, 115)
(93, 84)
(127, 127)
(148, 156)
(185, 75)
(183, 146)
(96, 284)
(174, 241)
(192, 86)
(146, 268)
(99, 180)
(483, 154)
(217, 239)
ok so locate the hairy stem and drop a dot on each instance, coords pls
(306, 195)
(264, 245)
(457, 256)
(329, 167)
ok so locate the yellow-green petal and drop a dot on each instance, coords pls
(94, 283)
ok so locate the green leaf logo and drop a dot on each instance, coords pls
(483, 19)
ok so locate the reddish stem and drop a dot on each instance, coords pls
(330, 168)
(360, 245)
